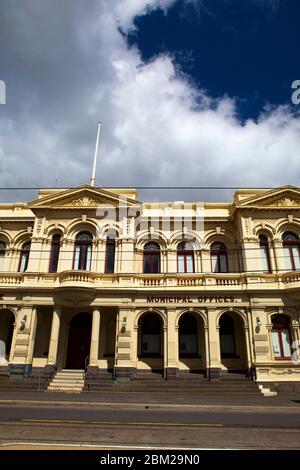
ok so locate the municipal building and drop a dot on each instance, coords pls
(95, 280)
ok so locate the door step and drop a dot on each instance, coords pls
(71, 381)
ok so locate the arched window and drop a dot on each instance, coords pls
(227, 338)
(218, 254)
(110, 255)
(2, 254)
(188, 336)
(24, 258)
(83, 251)
(291, 247)
(281, 337)
(54, 254)
(264, 254)
(150, 326)
(151, 258)
(185, 258)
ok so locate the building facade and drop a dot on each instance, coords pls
(94, 279)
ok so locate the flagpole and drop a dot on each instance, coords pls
(93, 178)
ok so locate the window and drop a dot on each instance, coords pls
(110, 255)
(2, 255)
(227, 339)
(151, 258)
(218, 258)
(151, 328)
(185, 258)
(281, 337)
(188, 336)
(54, 254)
(83, 251)
(264, 254)
(24, 258)
(291, 251)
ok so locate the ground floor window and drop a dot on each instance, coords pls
(188, 336)
(227, 337)
(150, 328)
(281, 341)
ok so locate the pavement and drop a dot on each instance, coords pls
(205, 427)
(139, 420)
(150, 400)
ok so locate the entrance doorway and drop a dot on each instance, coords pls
(150, 343)
(233, 343)
(79, 341)
(7, 320)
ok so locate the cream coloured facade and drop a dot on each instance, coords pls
(95, 279)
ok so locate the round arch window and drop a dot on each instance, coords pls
(83, 251)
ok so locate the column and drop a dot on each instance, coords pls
(279, 256)
(248, 348)
(53, 347)
(94, 350)
(123, 363)
(125, 256)
(33, 325)
(214, 356)
(171, 339)
(206, 261)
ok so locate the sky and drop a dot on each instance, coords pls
(190, 93)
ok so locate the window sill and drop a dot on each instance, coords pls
(150, 356)
(230, 356)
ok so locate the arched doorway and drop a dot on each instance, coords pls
(233, 343)
(150, 342)
(79, 341)
(191, 345)
(7, 320)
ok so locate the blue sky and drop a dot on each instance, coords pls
(241, 48)
(190, 93)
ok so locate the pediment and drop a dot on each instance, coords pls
(284, 197)
(86, 197)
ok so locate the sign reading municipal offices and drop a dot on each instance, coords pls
(183, 299)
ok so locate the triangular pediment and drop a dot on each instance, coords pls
(83, 197)
(283, 197)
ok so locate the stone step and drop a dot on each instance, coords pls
(66, 377)
(67, 380)
(62, 389)
(62, 372)
(63, 383)
(52, 385)
(124, 388)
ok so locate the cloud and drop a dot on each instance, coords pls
(66, 66)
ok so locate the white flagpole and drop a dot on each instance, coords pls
(93, 178)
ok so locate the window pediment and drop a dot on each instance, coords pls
(83, 197)
(288, 196)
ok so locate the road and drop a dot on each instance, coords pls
(225, 428)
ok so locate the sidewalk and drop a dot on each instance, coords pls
(150, 400)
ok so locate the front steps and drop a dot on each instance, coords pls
(71, 381)
(266, 391)
(192, 384)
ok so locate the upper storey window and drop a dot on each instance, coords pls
(2, 254)
(264, 254)
(83, 251)
(185, 258)
(110, 255)
(151, 258)
(218, 253)
(54, 254)
(24, 257)
(291, 253)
